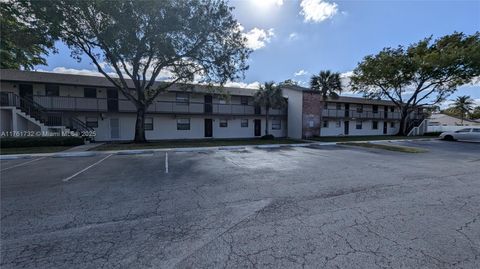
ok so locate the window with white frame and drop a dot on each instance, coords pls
(374, 125)
(244, 100)
(325, 124)
(183, 124)
(91, 122)
(148, 123)
(276, 124)
(358, 125)
(359, 108)
(244, 123)
(375, 109)
(223, 123)
(339, 106)
(182, 98)
(52, 90)
(338, 124)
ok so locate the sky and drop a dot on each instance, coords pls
(293, 39)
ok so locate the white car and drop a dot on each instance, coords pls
(467, 134)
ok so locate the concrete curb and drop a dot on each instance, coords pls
(74, 154)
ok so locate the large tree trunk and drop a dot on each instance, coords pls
(267, 112)
(403, 123)
(140, 125)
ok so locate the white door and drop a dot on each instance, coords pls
(114, 129)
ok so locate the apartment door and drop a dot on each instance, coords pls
(385, 127)
(347, 110)
(207, 105)
(385, 112)
(258, 127)
(208, 128)
(346, 127)
(25, 91)
(258, 110)
(114, 129)
(112, 100)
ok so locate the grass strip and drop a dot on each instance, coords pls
(385, 147)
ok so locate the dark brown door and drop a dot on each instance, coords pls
(258, 126)
(25, 91)
(207, 106)
(347, 111)
(258, 110)
(385, 112)
(208, 128)
(112, 100)
(385, 126)
(346, 127)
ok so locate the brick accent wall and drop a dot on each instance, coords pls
(311, 114)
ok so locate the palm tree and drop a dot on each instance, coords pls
(269, 96)
(463, 105)
(329, 85)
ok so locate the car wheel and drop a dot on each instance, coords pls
(448, 138)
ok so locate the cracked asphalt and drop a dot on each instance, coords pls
(312, 207)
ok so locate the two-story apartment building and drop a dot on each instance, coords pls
(51, 102)
(48, 103)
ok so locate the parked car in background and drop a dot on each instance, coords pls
(466, 134)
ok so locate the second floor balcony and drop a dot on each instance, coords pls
(83, 104)
(365, 114)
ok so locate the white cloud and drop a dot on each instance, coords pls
(235, 84)
(317, 10)
(293, 36)
(257, 38)
(300, 73)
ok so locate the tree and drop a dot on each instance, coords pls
(463, 105)
(23, 43)
(196, 40)
(476, 113)
(269, 96)
(328, 84)
(423, 74)
(289, 82)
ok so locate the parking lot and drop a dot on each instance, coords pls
(305, 207)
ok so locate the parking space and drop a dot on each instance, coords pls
(313, 207)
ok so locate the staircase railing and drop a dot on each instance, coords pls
(26, 105)
(80, 126)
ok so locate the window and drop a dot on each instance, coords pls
(223, 123)
(325, 124)
(244, 123)
(339, 106)
(465, 130)
(92, 122)
(375, 108)
(358, 125)
(392, 124)
(325, 105)
(182, 98)
(392, 109)
(148, 123)
(52, 90)
(90, 92)
(276, 124)
(244, 100)
(359, 110)
(476, 130)
(375, 125)
(338, 124)
(183, 124)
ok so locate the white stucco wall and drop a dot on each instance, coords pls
(295, 99)
(333, 130)
(6, 120)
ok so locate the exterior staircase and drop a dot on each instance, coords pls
(48, 123)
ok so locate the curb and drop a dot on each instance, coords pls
(74, 154)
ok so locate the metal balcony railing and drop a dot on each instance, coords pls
(353, 114)
(68, 103)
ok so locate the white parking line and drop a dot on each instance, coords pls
(22, 164)
(166, 162)
(85, 169)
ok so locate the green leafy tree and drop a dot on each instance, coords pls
(463, 105)
(191, 40)
(329, 84)
(476, 113)
(270, 96)
(422, 74)
(23, 43)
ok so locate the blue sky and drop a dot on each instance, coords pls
(312, 35)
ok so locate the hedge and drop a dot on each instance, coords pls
(21, 142)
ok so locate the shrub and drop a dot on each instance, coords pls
(21, 142)
(268, 137)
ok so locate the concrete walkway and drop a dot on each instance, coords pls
(85, 147)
